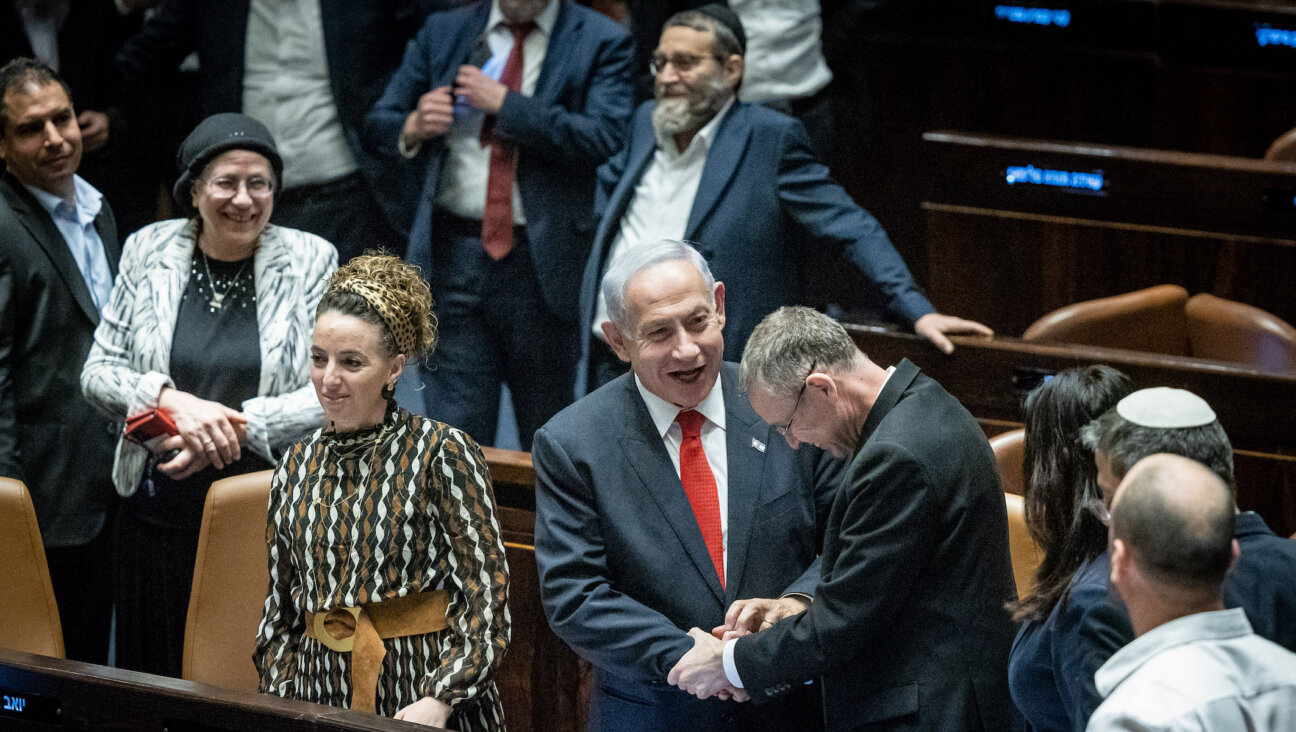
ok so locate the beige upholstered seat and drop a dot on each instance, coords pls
(31, 618)
(229, 587)
(1026, 555)
(1283, 149)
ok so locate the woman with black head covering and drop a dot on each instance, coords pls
(209, 323)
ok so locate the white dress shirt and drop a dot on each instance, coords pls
(1206, 671)
(467, 167)
(712, 407)
(76, 224)
(663, 199)
(784, 58)
(286, 88)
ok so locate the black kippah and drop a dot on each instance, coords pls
(728, 19)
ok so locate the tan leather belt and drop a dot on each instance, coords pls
(360, 631)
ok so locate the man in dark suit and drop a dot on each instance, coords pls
(630, 555)
(58, 258)
(741, 181)
(908, 628)
(309, 70)
(503, 223)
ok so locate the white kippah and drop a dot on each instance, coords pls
(1165, 408)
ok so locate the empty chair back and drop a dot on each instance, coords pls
(1026, 556)
(31, 618)
(1225, 330)
(1149, 320)
(229, 586)
(1009, 451)
(1283, 150)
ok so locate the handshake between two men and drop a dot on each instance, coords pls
(701, 671)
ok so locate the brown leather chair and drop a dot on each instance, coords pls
(229, 586)
(1283, 150)
(1225, 330)
(1026, 555)
(1144, 320)
(1009, 450)
(31, 618)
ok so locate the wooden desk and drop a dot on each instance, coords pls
(100, 698)
(991, 377)
(1016, 228)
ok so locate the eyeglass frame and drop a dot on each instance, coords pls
(241, 183)
(797, 405)
(655, 68)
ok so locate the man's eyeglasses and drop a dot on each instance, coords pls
(682, 63)
(257, 187)
(784, 429)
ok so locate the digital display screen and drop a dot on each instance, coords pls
(1267, 36)
(1033, 16)
(1091, 182)
(24, 705)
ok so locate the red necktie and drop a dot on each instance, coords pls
(497, 222)
(700, 487)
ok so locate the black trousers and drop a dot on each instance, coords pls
(494, 327)
(83, 588)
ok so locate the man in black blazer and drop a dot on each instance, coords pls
(292, 46)
(625, 563)
(908, 628)
(57, 262)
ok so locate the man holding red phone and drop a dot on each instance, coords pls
(58, 258)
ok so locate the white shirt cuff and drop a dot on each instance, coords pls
(731, 668)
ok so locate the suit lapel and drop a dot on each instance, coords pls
(905, 373)
(553, 70)
(466, 43)
(743, 430)
(41, 227)
(722, 162)
(108, 235)
(646, 454)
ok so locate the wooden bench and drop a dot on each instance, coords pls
(1017, 228)
(992, 376)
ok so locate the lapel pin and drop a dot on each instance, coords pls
(758, 444)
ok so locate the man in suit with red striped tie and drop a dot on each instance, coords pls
(662, 498)
(509, 106)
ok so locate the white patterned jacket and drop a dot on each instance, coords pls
(130, 360)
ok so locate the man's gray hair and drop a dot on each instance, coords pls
(787, 342)
(636, 259)
(1125, 443)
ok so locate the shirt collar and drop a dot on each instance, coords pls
(1215, 625)
(663, 413)
(88, 201)
(704, 137)
(544, 21)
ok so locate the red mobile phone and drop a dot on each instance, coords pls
(148, 426)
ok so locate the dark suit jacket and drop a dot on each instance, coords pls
(908, 628)
(624, 571)
(574, 121)
(363, 42)
(1094, 623)
(763, 197)
(50, 437)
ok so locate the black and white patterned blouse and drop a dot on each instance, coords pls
(375, 514)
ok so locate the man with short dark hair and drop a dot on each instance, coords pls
(741, 181)
(1194, 665)
(908, 628)
(662, 498)
(58, 258)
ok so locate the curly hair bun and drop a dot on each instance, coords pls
(398, 293)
